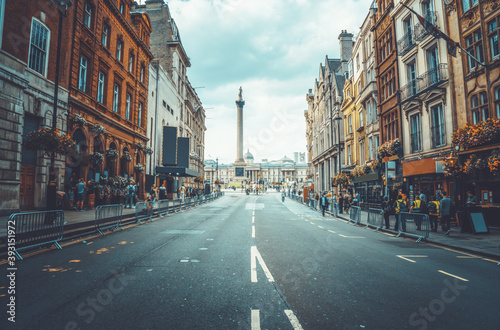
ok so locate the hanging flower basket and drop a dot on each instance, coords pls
(494, 162)
(361, 170)
(78, 120)
(377, 188)
(148, 150)
(51, 141)
(198, 179)
(139, 168)
(112, 154)
(389, 148)
(98, 129)
(375, 165)
(96, 158)
(341, 179)
(126, 156)
(476, 135)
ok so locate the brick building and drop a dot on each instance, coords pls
(387, 82)
(108, 87)
(28, 43)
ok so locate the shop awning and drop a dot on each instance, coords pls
(176, 171)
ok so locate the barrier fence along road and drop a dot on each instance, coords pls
(144, 211)
(375, 218)
(414, 224)
(355, 214)
(108, 217)
(163, 206)
(36, 228)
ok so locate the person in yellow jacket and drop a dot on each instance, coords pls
(433, 209)
(416, 208)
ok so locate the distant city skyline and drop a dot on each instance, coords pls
(272, 49)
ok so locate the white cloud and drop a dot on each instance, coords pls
(272, 48)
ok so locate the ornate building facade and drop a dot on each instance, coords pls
(109, 89)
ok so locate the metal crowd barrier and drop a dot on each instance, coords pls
(375, 218)
(355, 214)
(312, 203)
(334, 209)
(163, 205)
(108, 217)
(176, 204)
(36, 228)
(144, 211)
(414, 224)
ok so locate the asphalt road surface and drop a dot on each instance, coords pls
(253, 262)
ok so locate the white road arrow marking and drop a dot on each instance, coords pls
(255, 256)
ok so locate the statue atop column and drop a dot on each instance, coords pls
(240, 95)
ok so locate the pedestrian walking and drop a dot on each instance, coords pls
(130, 191)
(80, 193)
(283, 196)
(415, 208)
(324, 203)
(162, 191)
(445, 213)
(433, 211)
(341, 203)
(400, 206)
(388, 210)
(423, 198)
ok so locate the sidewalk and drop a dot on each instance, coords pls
(487, 245)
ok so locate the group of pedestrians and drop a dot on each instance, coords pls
(440, 209)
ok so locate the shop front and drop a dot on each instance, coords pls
(369, 188)
(426, 176)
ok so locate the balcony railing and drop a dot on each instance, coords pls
(420, 31)
(425, 81)
(406, 43)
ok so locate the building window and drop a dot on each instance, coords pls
(139, 115)
(131, 63)
(105, 35)
(361, 119)
(127, 107)
(479, 107)
(416, 138)
(122, 8)
(116, 97)
(433, 65)
(349, 155)
(411, 71)
(87, 15)
(369, 118)
(119, 52)
(493, 35)
(437, 126)
(474, 44)
(39, 47)
(100, 87)
(408, 30)
(2, 12)
(350, 124)
(82, 75)
(370, 148)
(497, 101)
(375, 114)
(361, 152)
(142, 74)
(357, 62)
(391, 131)
(468, 4)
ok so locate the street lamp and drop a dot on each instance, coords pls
(62, 6)
(339, 170)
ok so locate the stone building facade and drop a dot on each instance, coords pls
(185, 104)
(109, 88)
(324, 132)
(28, 43)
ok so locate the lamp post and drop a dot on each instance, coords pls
(338, 119)
(62, 6)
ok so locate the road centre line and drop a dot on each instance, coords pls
(293, 320)
(351, 236)
(331, 231)
(406, 257)
(255, 256)
(253, 231)
(455, 276)
(255, 319)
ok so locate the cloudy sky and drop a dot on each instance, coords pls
(273, 49)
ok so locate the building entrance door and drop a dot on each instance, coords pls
(27, 189)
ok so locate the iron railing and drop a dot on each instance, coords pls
(425, 81)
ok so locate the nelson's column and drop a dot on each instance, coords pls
(239, 164)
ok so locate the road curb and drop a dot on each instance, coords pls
(458, 248)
